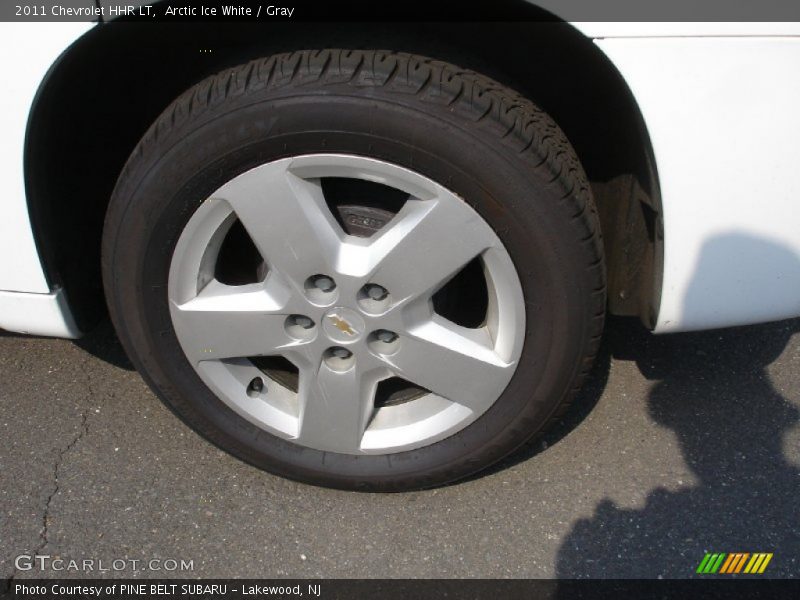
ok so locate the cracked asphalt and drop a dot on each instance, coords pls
(677, 445)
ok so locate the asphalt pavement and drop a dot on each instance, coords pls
(678, 445)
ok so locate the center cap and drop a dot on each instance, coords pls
(343, 325)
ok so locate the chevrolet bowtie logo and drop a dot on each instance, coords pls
(342, 325)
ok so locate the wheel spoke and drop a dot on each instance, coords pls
(287, 218)
(230, 321)
(453, 362)
(335, 407)
(427, 243)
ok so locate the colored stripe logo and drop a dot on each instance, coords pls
(734, 562)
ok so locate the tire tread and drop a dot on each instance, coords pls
(515, 121)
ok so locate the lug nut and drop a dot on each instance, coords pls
(339, 359)
(386, 336)
(376, 292)
(324, 283)
(340, 352)
(303, 321)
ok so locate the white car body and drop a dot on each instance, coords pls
(719, 102)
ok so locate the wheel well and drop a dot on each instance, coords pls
(107, 89)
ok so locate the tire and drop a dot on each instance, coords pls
(434, 121)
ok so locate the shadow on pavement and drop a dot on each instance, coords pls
(102, 342)
(712, 389)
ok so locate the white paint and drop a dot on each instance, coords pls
(37, 314)
(26, 52)
(723, 115)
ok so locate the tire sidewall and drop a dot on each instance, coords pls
(160, 192)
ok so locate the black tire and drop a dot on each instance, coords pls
(483, 141)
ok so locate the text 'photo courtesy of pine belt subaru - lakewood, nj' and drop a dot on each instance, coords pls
(380, 258)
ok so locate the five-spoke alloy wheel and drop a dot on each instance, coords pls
(361, 269)
(348, 312)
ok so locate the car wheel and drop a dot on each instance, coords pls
(358, 269)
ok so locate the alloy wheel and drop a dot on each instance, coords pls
(349, 314)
